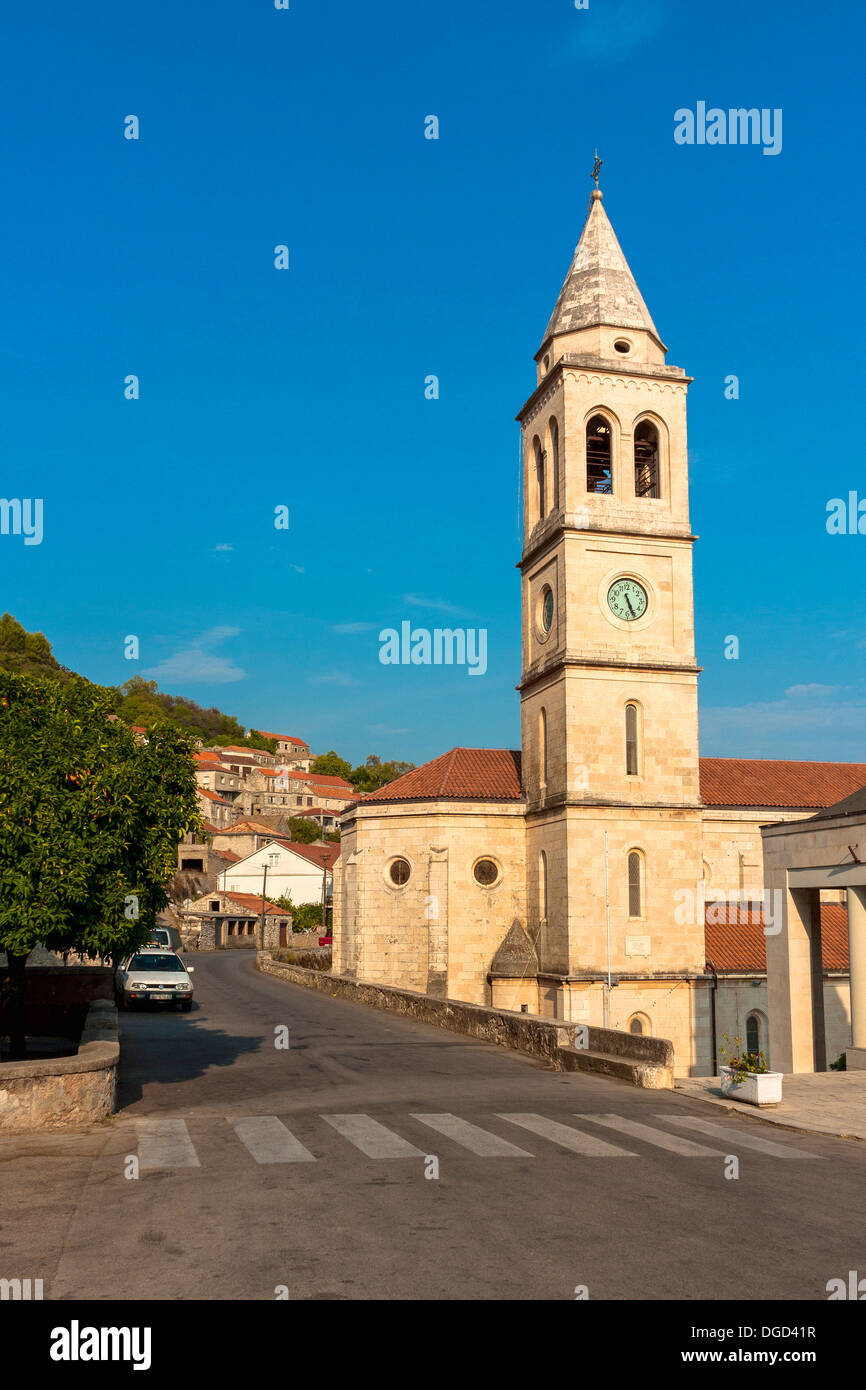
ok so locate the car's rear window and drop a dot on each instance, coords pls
(155, 962)
(160, 937)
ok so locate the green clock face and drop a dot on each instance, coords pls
(627, 599)
(547, 610)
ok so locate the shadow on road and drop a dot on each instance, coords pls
(169, 1048)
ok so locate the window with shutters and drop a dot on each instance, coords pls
(635, 883)
(599, 472)
(646, 460)
(632, 766)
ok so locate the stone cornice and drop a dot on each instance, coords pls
(603, 367)
(556, 663)
(561, 525)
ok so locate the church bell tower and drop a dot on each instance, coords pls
(609, 680)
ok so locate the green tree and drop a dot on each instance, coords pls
(330, 764)
(89, 824)
(303, 831)
(374, 774)
(25, 651)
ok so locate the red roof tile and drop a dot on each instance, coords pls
(251, 901)
(285, 738)
(777, 782)
(735, 939)
(464, 774)
(319, 855)
(212, 796)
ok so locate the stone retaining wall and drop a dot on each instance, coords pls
(643, 1061)
(65, 1092)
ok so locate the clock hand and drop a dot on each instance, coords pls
(630, 609)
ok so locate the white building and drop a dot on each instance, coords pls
(293, 871)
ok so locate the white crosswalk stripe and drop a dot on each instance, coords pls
(737, 1138)
(269, 1141)
(472, 1137)
(371, 1138)
(674, 1143)
(568, 1137)
(165, 1144)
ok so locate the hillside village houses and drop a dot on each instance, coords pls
(599, 874)
(247, 797)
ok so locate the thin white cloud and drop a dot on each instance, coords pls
(334, 678)
(813, 722)
(436, 604)
(612, 29)
(223, 547)
(353, 627)
(199, 663)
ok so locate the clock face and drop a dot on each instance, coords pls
(547, 610)
(627, 599)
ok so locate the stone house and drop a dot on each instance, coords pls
(220, 920)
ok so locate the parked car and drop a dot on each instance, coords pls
(166, 936)
(155, 975)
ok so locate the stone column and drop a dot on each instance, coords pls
(857, 960)
(789, 980)
(436, 913)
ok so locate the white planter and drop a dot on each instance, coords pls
(757, 1088)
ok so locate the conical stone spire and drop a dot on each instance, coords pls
(599, 288)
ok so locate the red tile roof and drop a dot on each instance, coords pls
(464, 774)
(320, 855)
(252, 901)
(248, 827)
(735, 939)
(285, 738)
(777, 782)
(212, 796)
(320, 780)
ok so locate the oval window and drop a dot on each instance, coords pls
(486, 872)
(399, 871)
(546, 609)
(621, 345)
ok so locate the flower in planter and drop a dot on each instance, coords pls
(742, 1064)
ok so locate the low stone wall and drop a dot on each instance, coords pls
(645, 1062)
(65, 1092)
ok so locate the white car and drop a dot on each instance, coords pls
(154, 975)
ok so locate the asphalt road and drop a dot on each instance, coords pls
(260, 1166)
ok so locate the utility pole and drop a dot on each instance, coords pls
(607, 927)
(264, 886)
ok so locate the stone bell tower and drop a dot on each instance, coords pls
(609, 683)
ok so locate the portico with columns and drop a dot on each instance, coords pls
(824, 854)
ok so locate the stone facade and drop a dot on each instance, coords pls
(609, 833)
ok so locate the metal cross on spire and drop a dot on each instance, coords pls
(596, 168)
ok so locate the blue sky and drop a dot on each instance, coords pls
(408, 257)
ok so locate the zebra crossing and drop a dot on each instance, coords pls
(166, 1143)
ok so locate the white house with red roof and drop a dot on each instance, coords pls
(285, 869)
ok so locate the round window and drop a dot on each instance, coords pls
(399, 871)
(486, 872)
(546, 609)
(622, 345)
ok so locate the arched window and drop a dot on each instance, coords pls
(631, 747)
(540, 496)
(753, 1033)
(542, 885)
(646, 460)
(554, 463)
(542, 747)
(635, 885)
(640, 1025)
(599, 477)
